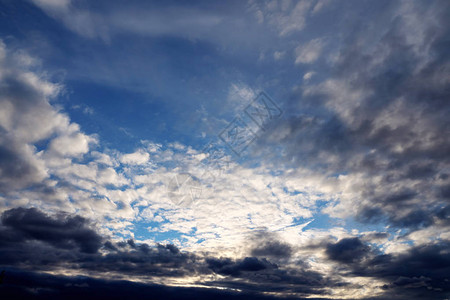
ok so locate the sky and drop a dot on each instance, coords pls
(224, 149)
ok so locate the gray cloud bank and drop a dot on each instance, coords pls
(33, 241)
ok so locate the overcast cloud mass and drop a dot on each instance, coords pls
(224, 149)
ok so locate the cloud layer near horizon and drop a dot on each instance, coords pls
(68, 245)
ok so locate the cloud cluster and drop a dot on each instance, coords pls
(61, 243)
(420, 272)
(379, 123)
(28, 118)
(69, 244)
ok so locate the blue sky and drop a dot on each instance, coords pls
(110, 112)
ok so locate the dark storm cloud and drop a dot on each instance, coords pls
(28, 285)
(33, 240)
(63, 231)
(261, 275)
(347, 250)
(142, 259)
(383, 113)
(235, 268)
(418, 273)
(269, 269)
(266, 244)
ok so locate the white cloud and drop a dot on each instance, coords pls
(136, 158)
(308, 76)
(149, 20)
(72, 144)
(320, 5)
(309, 52)
(110, 176)
(239, 96)
(102, 158)
(286, 17)
(27, 117)
(277, 55)
(53, 4)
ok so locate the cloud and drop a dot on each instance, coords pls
(18, 167)
(33, 240)
(308, 76)
(136, 158)
(116, 188)
(235, 268)
(417, 273)
(286, 17)
(320, 5)
(365, 140)
(376, 123)
(269, 245)
(62, 231)
(149, 20)
(309, 52)
(53, 4)
(72, 144)
(32, 285)
(277, 55)
(347, 250)
(28, 117)
(239, 96)
(199, 21)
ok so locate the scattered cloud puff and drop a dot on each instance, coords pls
(310, 52)
(136, 158)
(277, 55)
(308, 76)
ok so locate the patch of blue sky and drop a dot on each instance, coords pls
(151, 230)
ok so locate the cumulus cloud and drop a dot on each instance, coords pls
(72, 144)
(28, 117)
(135, 158)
